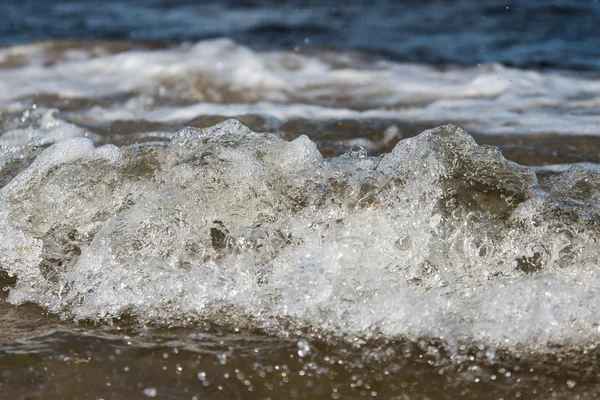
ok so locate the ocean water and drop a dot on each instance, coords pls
(300, 200)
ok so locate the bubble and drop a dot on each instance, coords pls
(303, 348)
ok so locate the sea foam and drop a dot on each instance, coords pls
(440, 238)
(220, 77)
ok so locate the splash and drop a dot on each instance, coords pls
(439, 238)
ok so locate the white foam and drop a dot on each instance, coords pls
(48, 129)
(222, 77)
(440, 238)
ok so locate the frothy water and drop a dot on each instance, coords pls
(440, 238)
(166, 88)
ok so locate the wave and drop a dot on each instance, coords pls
(439, 238)
(107, 88)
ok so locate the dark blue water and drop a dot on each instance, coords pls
(522, 33)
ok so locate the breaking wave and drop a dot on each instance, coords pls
(439, 238)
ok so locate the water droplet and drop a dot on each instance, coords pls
(303, 348)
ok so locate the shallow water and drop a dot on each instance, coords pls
(318, 248)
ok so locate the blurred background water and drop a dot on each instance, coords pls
(522, 33)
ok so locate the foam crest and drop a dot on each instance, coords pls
(439, 238)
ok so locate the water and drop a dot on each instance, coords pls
(277, 207)
(523, 33)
